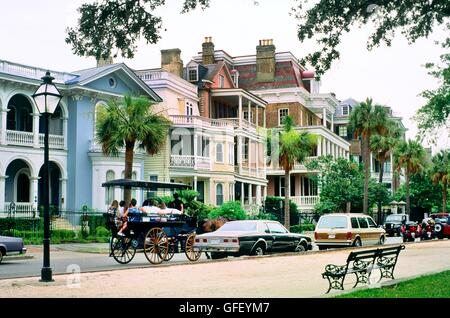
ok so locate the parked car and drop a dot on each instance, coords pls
(256, 237)
(11, 245)
(342, 229)
(442, 224)
(393, 223)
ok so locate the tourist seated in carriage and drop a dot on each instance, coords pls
(132, 218)
(163, 210)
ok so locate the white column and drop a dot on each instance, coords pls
(34, 191)
(249, 156)
(211, 188)
(319, 146)
(258, 195)
(332, 122)
(194, 136)
(250, 194)
(63, 194)
(324, 147)
(65, 131)
(249, 117)
(264, 117)
(242, 194)
(36, 130)
(239, 153)
(4, 113)
(2, 192)
(240, 111)
(324, 121)
(195, 183)
(258, 156)
(257, 119)
(371, 163)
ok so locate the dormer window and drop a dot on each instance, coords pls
(346, 109)
(193, 74)
(221, 81)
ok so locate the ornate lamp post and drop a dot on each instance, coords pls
(47, 98)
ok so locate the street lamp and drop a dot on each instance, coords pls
(47, 98)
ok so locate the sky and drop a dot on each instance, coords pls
(33, 33)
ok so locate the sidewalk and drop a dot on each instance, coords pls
(283, 276)
(96, 248)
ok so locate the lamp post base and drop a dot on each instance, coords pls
(46, 275)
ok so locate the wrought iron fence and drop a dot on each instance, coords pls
(64, 225)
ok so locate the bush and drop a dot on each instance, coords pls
(20, 224)
(101, 231)
(302, 228)
(229, 210)
(275, 207)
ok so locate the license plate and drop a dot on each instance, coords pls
(145, 219)
(331, 236)
(215, 241)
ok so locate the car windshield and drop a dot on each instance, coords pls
(394, 217)
(329, 222)
(238, 226)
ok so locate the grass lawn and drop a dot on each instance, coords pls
(431, 286)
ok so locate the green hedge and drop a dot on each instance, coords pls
(20, 224)
(302, 228)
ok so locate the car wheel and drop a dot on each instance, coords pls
(300, 248)
(258, 250)
(1, 255)
(438, 228)
(357, 242)
(382, 240)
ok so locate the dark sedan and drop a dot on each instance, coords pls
(393, 223)
(238, 238)
(11, 245)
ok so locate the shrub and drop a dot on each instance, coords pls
(101, 231)
(275, 207)
(229, 210)
(302, 228)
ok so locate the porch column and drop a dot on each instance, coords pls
(63, 194)
(194, 154)
(249, 117)
(319, 146)
(2, 192)
(257, 119)
(324, 146)
(34, 191)
(195, 183)
(242, 194)
(239, 153)
(250, 194)
(249, 157)
(258, 195)
(324, 121)
(65, 131)
(4, 113)
(240, 111)
(264, 118)
(211, 188)
(36, 130)
(332, 122)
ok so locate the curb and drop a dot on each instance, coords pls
(18, 257)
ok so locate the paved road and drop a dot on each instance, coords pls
(61, 260)
(281, 276)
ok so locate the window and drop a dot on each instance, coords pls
(110, 175)
(282, 113)
(152, 194)
(346, 109)
(221, 81)
(219, 194)
(282, 188)
(219, 152)
(193, 74)
(189, 109)
(371, 223)
(112, 82)
(246, 147)
(328, 222)
(276, 228)
(363, 223)
(343, 131)
(355, 224)
(231, 154)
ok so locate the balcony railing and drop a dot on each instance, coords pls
(194, 162)
(303, 201)
(252, 172)
(200, 121)
(25, 138)
(20, 209)
(274, 166)
(33, 72)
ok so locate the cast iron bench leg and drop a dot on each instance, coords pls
(335, 282)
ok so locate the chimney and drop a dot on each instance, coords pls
(171, 61)
(103, 62)
(265, 61)
(208, 51)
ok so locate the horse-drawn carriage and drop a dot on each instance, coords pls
(159, 236)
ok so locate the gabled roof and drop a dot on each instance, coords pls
(214, 69)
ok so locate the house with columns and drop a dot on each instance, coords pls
(77, 166)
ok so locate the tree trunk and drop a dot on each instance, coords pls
(129, 154)
(380, 180)
(444, 207)
(287, 193)
(408, 207)
(366, 159)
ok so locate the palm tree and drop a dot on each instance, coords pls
(294, 147)
(382, 145)
(410, 156)
(128, 123)
(366, 120)
(440, 173)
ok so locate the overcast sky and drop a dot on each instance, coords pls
(33, 32)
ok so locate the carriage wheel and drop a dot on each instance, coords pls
(171, 250)
(156, 246)
(189, 249)
(122, 250)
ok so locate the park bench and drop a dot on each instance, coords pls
(362, 263)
